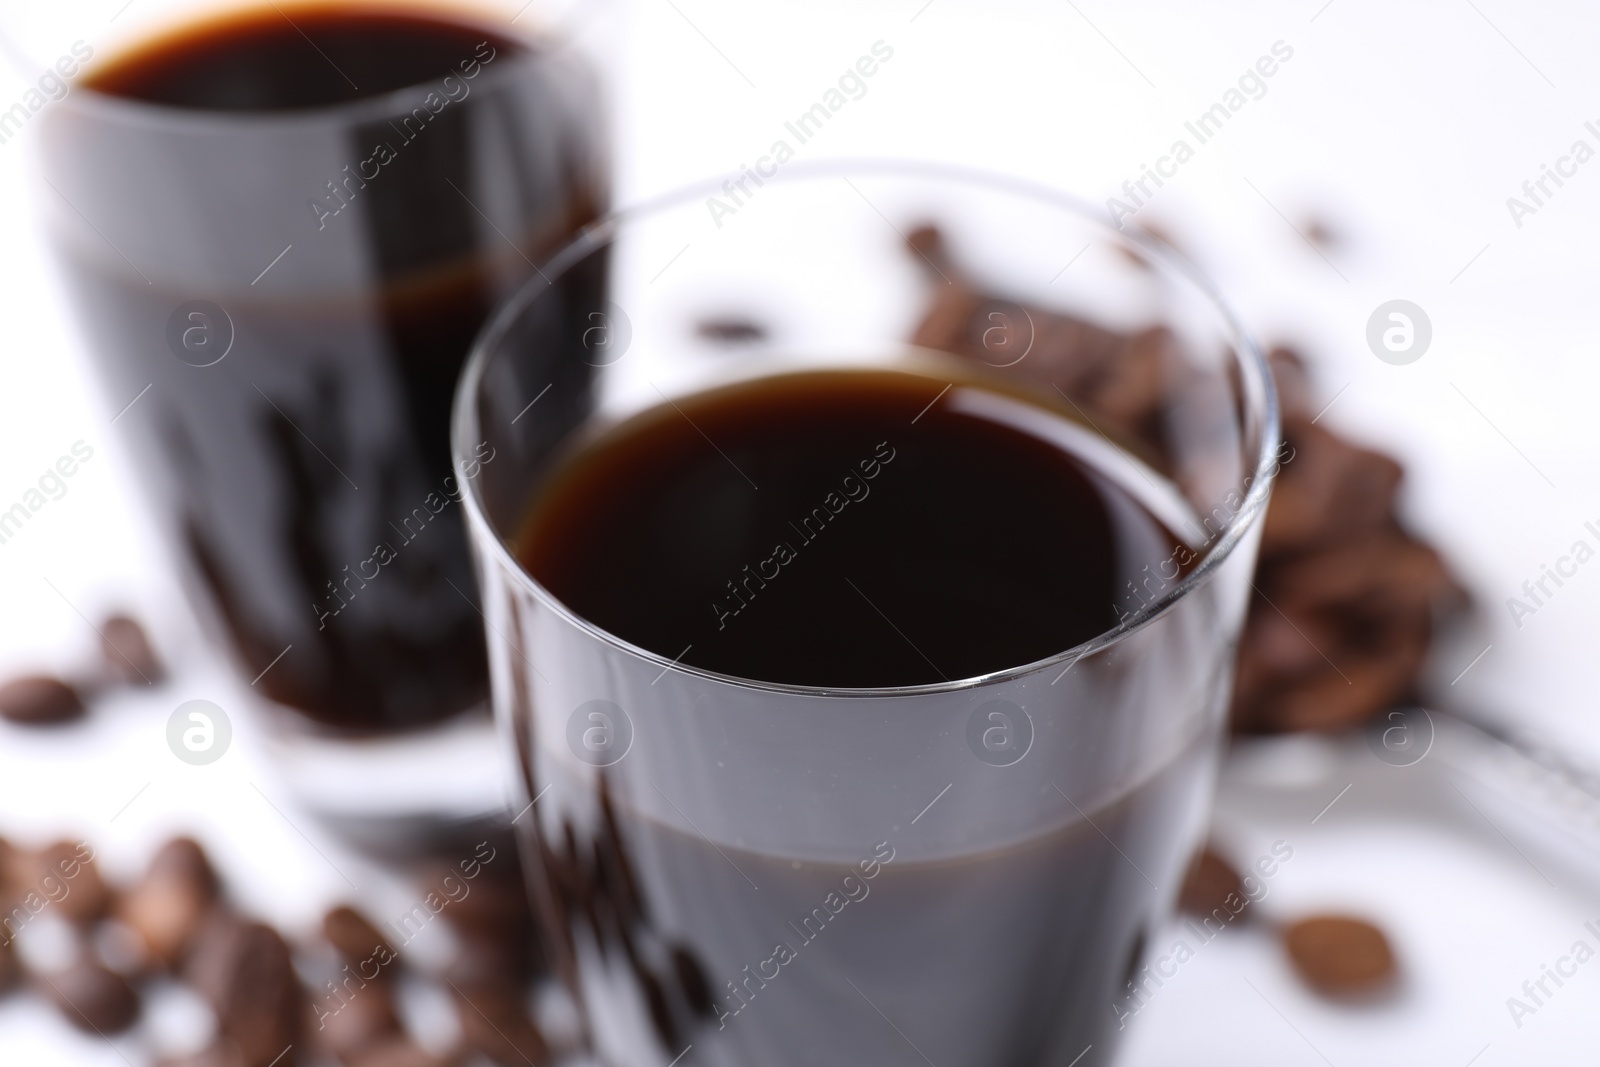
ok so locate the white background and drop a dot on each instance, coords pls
(1404, 127)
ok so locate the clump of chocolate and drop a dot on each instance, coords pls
(1347, 601)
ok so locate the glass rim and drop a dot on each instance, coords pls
(131, 110)
(1247, 355)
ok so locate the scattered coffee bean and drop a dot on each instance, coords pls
(222, 1054)
(10, 968)
(119, 946)
(244, 969)
(357, 1019)
(1210, 881)
(729, 330)
(485, 965)
(39, 700)
(692, 980)
(1338, 955)
(65, 873)
(359, 942)
(499, 1028)
(1321, 233)
(128, 653)
(1330, 496)
(400, 1052)
(92, 998)
(169, 904)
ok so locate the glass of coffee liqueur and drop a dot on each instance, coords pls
(862, 559)
(281, 227)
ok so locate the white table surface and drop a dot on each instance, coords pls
(1405, 127)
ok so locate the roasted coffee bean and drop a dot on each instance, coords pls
(92, 998)
(655, 995)
(360, 943)
(65, 872)
(357, 1019)
(39, 700)
(1340, 633)
(10, 967)
(221, 1054)
(128, 653)
(244, 969)
(170, 902)
(729, 330)
(1337, 955)
(402, 1052)
(486, 964)
(1209, 883)
(499, 1028)
(692, 980)
(1321, 233)
(1293, 380)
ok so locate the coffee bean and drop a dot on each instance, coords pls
(65, 873)
(128, 653)
(731, 330)
(222, 1054)
(168, 905)
(10, 967)
(486, 963)
(358, 1018)
(1209, 883)
(692, 981)
(496, 1024)
(92, 998)
(245, 971)
(1338, 955)
(39, 700)
(360, 943)
(401, 1052)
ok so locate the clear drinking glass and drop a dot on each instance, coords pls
(279, 298)
(966, 873)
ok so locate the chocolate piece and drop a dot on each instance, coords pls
(1210, 881)
(244, 970)
(39, 700)
(1338, 955)
(168, 905)
(92, 998)
(128, 653)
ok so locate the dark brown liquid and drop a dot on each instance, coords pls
(1012, 956)
(306, 478)
(293, 56)
(850, 528)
